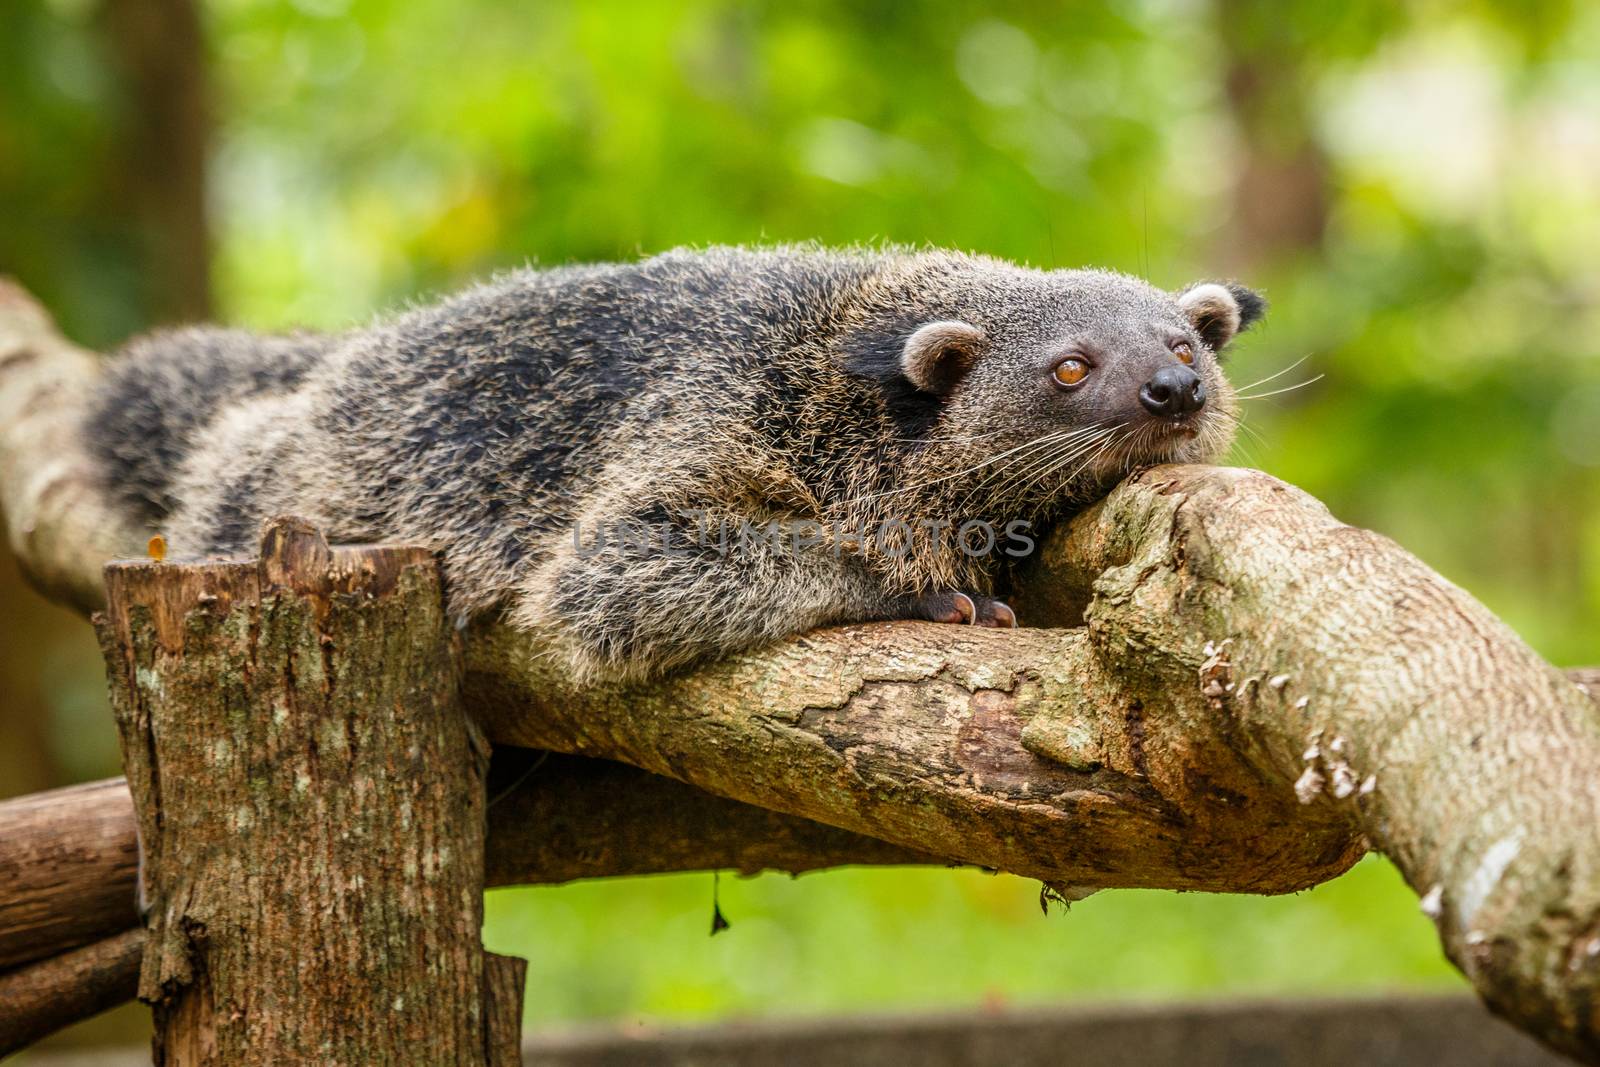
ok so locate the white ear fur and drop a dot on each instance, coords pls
(939, 353)
(1214, 311)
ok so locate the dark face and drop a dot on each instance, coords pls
(1107, 374)
(1149, 388)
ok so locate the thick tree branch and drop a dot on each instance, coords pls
(1342, 667)
(1258, 692)
(1009, 747)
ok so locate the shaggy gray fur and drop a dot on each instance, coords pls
(688, 392)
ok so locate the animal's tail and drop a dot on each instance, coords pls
(168, 386)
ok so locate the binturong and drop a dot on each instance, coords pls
(658, 462)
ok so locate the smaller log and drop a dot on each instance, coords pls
(574, 817)
(41, 998)
(67, 862)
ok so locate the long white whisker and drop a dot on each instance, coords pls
(1108, 444)
(1285, 389)
(1082, 438)
(1131, 443)
(949, 477)
(1279, 374)
(1099, 444)
(1254, 433)
(1040, 465)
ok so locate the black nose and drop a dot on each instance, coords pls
(1173, 392)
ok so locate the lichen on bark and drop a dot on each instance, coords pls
(310, 798)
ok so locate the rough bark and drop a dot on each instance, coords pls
(1012, 748)
(67, 860)
(41, 998)
(310, 801)
(1344, 669)
(1259, 691)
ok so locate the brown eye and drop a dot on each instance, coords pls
(1184, 353)
(1070, 372)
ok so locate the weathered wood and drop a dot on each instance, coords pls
(1012, 745)
(569, 818)
(310, 800)
(1345, 670)
(578, 818)
(41, 998)
(67, 860)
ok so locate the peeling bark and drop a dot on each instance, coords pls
(1010, 747)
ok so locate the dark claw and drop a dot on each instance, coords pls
(998, 613)
(962, 608)
(966, 610)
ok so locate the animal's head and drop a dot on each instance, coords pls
(1044, 381)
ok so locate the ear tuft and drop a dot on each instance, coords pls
(939, 353)
(1221, 311)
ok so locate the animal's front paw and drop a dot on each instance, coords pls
(957, 607)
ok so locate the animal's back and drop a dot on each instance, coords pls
(478, 424)
(167, 387)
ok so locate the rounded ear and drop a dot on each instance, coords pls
(939, 353)
(1221, 311)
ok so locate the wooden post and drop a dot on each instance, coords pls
(310, 800)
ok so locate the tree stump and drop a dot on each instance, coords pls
(310, 801)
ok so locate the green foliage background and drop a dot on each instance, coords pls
(370, 152)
